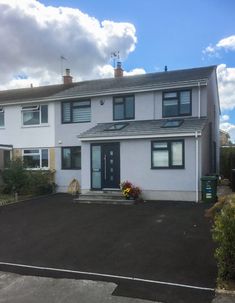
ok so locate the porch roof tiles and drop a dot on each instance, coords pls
(144, 128)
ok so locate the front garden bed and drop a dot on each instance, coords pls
(223, 233)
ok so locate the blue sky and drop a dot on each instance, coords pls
(172, 33)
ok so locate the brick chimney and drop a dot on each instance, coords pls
(67, 78)
(118, 71)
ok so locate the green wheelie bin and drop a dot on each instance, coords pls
(209, 188)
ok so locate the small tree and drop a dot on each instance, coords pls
(15, 177)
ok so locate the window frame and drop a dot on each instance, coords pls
(71, 110)
(2, 112)
(178, 91)
(124, 102)
(71, 158)
(40, 158)
(169, 149)
(23, 109)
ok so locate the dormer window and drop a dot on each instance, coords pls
(34, 115)
(177, 103)
(2, 118)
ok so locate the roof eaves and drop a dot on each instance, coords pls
(150, 136)
(134, 89)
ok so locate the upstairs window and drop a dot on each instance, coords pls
(123, 108)
(176, 103)
(2, 118)
(76, 111)
(36, 158)
(35, 115)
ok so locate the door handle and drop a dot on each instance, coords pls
(105, 166)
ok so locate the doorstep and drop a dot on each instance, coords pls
(104, 197)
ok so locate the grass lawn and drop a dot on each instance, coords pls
(7, 198)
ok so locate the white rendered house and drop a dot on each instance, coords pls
(159, 131)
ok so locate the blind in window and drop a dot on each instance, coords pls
(82, 114)
(66, 112)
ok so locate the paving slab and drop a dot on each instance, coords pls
(27, 289)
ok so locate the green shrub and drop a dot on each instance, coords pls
(40, 182)
(27, 182)
(224, 235)
(15, 177)
(227, 161)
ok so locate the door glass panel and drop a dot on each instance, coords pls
(96, 157)
(96, 179)
(96, 166)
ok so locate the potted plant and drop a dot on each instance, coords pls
(130, 191)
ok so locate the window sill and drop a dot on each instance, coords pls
(35, 126)
(2, 127)
(37, 169)
(70, 168)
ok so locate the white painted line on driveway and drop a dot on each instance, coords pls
(105, 275)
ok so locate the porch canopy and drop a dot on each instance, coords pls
(6, 147)
(180, 127)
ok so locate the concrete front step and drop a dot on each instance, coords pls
(106, 197)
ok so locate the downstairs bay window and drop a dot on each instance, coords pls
(36, 158)
(167, 154)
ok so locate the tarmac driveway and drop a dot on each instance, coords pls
(163, 241)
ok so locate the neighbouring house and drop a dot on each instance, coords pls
(158, 130)
(224, 138)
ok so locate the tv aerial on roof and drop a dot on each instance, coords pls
(115, 56)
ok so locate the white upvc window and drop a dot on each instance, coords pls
(34, 115)
(2, 117)
(36, 158)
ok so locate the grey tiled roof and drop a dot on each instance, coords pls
(22, 94)
(145, 81)
(111, 85)
(144, 127)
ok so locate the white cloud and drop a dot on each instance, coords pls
(227, 44)
(135, 71)
(230, 128)
(226, 83)
(224, 118)
(34, 36)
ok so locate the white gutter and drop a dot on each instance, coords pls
(133, 90)
(196, 167)
(6, 147)
(199, 100)
(139, 137)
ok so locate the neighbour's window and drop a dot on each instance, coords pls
(176, 103)
(168, 154)
(36, 158)
(6, 158)
(123, 108)
(77, 111)
(35, 115)
(2, 118)
(71, 157)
